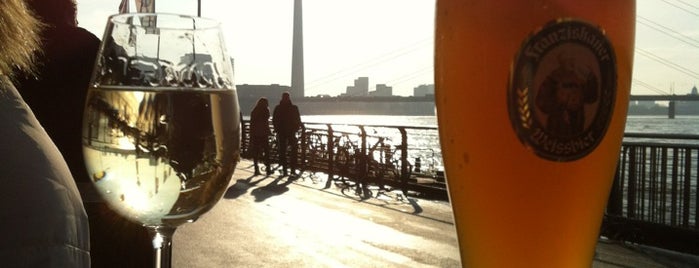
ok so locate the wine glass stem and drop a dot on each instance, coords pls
(162, 245)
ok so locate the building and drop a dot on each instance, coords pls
(273, 91)
(423, 90)
(249, 94)
(382, 90)
(360, 87)
(688, 107)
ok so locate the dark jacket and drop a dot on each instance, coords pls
(286, 119)
(259, 121)
(57, 95)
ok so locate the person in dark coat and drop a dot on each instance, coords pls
(287, 121)
(57, 91)
(259, 134)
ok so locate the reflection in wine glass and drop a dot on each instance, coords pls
(161, 131)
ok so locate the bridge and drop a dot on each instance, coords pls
(664, 97)
(671, 98)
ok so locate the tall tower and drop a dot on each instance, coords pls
(297, 86)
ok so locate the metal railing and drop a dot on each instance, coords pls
(654, 196)
(390, 157)
(653, 201)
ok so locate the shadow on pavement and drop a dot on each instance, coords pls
(274, 188)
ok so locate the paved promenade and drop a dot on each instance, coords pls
(273, 222)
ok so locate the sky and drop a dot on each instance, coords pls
(391, 41)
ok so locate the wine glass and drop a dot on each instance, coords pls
(531, 103)
(161, 130)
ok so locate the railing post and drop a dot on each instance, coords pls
(663, 185)
(674, 191)
(363, 163)
(331, 156)
(304, 149)
(696, 201)
(363, 137)
(244, 136)
(631, 196)
(615, 204)
(687, 187)
(404, 165)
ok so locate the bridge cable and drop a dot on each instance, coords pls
(682, 8)
(668, 63)
(373, 62)
(667, 31)
(651, 87)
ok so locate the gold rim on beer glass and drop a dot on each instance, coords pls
(531, 102)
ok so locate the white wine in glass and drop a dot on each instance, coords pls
(161, 127)
(531, 103)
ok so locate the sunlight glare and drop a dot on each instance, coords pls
(125, 143)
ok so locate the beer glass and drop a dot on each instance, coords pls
(531, 101)
(161, 129)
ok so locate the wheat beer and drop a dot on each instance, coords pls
(531, 102)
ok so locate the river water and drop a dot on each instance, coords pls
(643, 124)
(661, 124)
(429, 138)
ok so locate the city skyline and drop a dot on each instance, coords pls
(391, 41)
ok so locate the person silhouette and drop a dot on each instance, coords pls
(259, 135)
(287, 121)
(57, 91)
(44, 223)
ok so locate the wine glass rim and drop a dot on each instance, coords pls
(202, 23)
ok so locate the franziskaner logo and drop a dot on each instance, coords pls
(562, 90)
